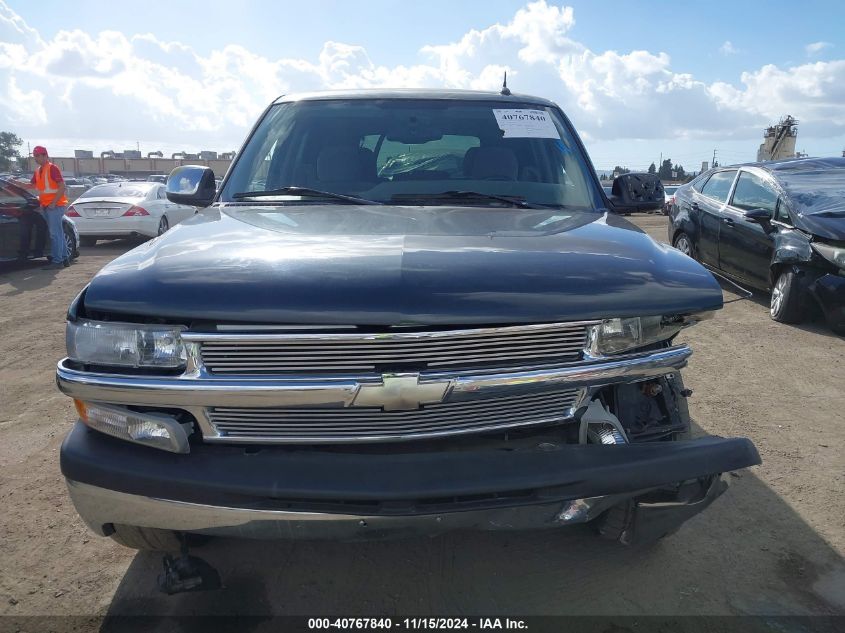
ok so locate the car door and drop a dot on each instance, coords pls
(745, 249)
(175, 212)
(708, 206)
(11, 207)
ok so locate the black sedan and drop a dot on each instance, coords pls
(777, 226)
(17, 210)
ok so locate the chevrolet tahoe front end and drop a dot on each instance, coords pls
(404, 313)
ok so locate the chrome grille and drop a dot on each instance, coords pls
(225, 353)
(297, 425)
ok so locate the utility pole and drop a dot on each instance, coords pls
(713, 164)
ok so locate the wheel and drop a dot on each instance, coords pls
(163, 225)
(70, 244)
(684, 244)
(147, 539)
(87, 240)
(786, 305)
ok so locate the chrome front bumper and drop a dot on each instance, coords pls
(196, 392)
(101, 508)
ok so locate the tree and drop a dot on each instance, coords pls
(665, 171)
(9, 143)
(680, 174)
(617, 171)
(652, 169)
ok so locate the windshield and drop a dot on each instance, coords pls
(817, 191)
(119, 190)
(414, 152)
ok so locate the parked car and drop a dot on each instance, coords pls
(345, 353)
(776, 226)
(162, 178)
(75, 187)
(15, 201)
(125, 209)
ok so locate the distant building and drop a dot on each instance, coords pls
(779, 140)
(83, 153)
(704, 166)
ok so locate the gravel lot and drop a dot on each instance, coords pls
(773, 544)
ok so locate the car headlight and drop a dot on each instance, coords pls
(834, 254)
(613, 336)
(125, 344)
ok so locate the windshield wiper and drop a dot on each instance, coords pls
(465, 195)
(304, 192)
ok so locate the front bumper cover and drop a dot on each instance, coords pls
(278, 492)
(829, 292)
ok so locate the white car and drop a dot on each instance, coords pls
(125, 209)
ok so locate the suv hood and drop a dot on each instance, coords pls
(377, 265)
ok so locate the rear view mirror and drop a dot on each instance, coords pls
(192, 185)
(763, 217)
(637, 192)
(758, 215)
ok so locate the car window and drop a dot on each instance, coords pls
(781, 212)
(161, 193)
(119, 190)
(389, 150)
(719, 185)
(697, 183)
(752, 192)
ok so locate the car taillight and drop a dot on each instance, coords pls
(72, 212)
(134, 210)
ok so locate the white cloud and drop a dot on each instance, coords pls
(22, 107)
(728, 48)
(114, 85)
(816, 47)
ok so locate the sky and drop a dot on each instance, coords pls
(639, 80)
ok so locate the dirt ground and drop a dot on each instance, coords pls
(772, 545)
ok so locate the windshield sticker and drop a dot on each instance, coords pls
(526, 124)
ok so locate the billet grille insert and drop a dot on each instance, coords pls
(251, 354)
(296, 424)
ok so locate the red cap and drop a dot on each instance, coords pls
(39, 149)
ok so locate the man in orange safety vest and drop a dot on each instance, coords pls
(50, 184)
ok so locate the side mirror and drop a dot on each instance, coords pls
(763, 217)
(192, 185)
(637, 192)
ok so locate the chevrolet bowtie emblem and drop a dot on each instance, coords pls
(401, 392)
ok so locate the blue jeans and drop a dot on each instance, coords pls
(58, 249)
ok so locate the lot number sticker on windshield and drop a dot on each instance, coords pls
(525, 124)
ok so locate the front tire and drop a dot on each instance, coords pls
(146, 539)
(786, 305)
(70, 243)
(684, 244)
(163, 225)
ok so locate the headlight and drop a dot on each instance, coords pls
(613, 336)
(125, 344)
(834, 254)
(150, 429)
